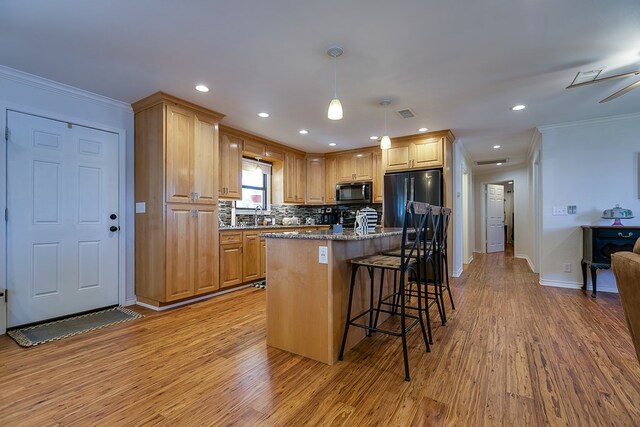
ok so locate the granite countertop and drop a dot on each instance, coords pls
(267, 227)
(330, 235)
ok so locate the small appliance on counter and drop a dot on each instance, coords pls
(329, 216)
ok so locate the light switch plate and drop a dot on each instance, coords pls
(323, 256)
(559, 210)
(141, 207)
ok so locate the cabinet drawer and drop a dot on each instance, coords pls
(228, 238)
(612, 234)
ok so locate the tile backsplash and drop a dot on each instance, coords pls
(281, 211)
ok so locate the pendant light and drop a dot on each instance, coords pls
(385, 142)
(335, 107)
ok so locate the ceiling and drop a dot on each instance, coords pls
(458, 65)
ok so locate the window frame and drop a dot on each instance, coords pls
(266, 179)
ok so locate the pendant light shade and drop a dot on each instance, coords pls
(335, 109)
(385, 142)
(335, 106)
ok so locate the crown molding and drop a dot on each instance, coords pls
(59, 88)
(588, 122)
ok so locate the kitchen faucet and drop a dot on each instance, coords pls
(255, 214)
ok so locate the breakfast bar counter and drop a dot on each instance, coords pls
(308, 275)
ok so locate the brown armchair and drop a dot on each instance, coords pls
(626, 267)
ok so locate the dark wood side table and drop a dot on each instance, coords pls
(599, 242)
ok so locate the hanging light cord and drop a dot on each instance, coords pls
(335, 77)
(385, 119)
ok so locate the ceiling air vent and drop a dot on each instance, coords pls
(491, 162)
(406, 113)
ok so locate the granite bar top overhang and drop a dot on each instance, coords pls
(348, 235)
(267, 227)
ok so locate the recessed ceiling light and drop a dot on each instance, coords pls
(499, 164)
(202, 88)
(332, 144)
(496, 146)
(263, 115)
(423, 130)
(373, 138)
(510, 182)
(518, 107)
(303, 131)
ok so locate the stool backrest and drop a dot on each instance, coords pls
(444, 223)
(416, 216)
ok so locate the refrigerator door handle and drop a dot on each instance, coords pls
(413, 187)
(405, 193)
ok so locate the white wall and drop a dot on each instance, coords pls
(523, 230)
(461, 208)
(40, 96)
(594, 165)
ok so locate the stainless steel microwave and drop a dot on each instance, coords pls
(353, 193)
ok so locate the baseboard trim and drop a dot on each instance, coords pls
(470, 260)
(129, 302)
(575, 285)
(526, 258)
(457, 273)
(190, 301)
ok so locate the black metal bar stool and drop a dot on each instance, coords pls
(430, 268)
(442, 251)
(415, 219)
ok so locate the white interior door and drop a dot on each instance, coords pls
(495, 218)
(62, 192)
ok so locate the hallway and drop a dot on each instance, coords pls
(513, 353)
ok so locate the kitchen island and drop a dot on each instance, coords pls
(308, 275)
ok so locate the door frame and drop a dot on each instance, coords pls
(483, 211)
(5, 107)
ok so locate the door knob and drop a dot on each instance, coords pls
(114, 228)
(113, 216)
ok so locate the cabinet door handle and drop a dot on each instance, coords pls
(627, 236)
(195, 196)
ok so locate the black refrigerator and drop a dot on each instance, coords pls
(423, 186)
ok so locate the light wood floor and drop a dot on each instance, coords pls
(513, 353)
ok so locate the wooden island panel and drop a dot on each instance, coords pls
(307, 301)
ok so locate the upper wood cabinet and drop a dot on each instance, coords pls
(190, 156)
(354, 167)
(176, 240)
(230, 167)
(295, 179)
(330, 180)
(425, 151)
(315, 181)
(378, 177)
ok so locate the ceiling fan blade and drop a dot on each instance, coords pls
(617, 76)
(622, 92)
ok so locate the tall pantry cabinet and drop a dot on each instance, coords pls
(176, 195)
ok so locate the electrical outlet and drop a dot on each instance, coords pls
(141, 207)
(559, 210)
(566, 267)
(323, 255)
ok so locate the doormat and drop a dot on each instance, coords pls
(260, 285)
(58, 329)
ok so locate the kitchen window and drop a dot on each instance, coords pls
(256, 186)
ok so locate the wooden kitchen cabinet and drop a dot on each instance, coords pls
(354, 167)
(378, 178)
(315, 181)
(230, 166)
(251, 256)
(424, 151)
(294, 178)
(191, 251)
(263, 258)
(330, 180)
(176, 241)
(230, 258)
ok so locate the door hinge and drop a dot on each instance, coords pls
(6, 214)
(6, 133)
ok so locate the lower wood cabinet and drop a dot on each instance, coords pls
(251, 257)
(243, 255)
(230, 259)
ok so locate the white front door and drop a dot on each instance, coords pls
(495, 218)
(62, 192)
